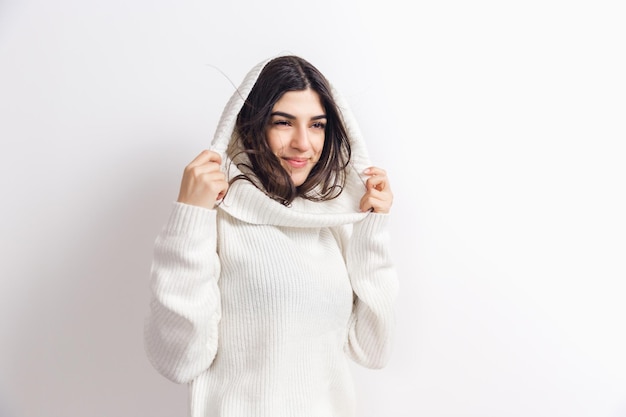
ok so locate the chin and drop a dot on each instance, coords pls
(298, 181)
(299, 178)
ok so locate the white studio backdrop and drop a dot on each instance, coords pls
(502, 126)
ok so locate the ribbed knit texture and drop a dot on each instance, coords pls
(258, 306)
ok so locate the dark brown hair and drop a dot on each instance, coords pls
(327, 178)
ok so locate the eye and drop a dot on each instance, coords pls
(318, 125)
(281, 122)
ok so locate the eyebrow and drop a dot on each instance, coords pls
(291, 116)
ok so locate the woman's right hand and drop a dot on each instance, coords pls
(203, 182)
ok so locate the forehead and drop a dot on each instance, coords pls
(305, 101)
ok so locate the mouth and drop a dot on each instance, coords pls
(296, 162)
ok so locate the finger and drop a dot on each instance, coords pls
(222, 192)
(377, 178)
(200, 166)
(200, 183)
(206, 156)
(201, 169)
(374, 171)
(216, 187)
(365, 204)
(378, 182)
(375, 206)
(376, 202)
(203, 190)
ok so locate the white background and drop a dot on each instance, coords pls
(501, 124)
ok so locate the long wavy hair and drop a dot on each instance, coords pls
(262, 167)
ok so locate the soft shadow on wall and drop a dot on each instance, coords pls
(78, 348)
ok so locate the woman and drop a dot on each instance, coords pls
(273, 267)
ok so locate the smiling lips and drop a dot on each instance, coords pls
(297, 162)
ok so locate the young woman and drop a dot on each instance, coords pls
(274, 267)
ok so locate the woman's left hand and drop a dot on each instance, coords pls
(378, 196)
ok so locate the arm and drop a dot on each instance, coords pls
(375, 286)
(181, 330)
(372, 275)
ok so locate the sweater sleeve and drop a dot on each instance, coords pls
(181, 329)
(375, 285)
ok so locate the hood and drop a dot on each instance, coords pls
(247, 203)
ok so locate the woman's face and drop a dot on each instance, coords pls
(296, 132)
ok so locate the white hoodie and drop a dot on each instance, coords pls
(258, 306)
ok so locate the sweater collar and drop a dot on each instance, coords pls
(246, 202)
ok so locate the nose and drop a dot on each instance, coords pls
(300, 138)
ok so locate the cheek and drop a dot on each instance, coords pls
(318, 145)
(273, 141)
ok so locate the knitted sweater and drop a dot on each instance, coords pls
(258, 306)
